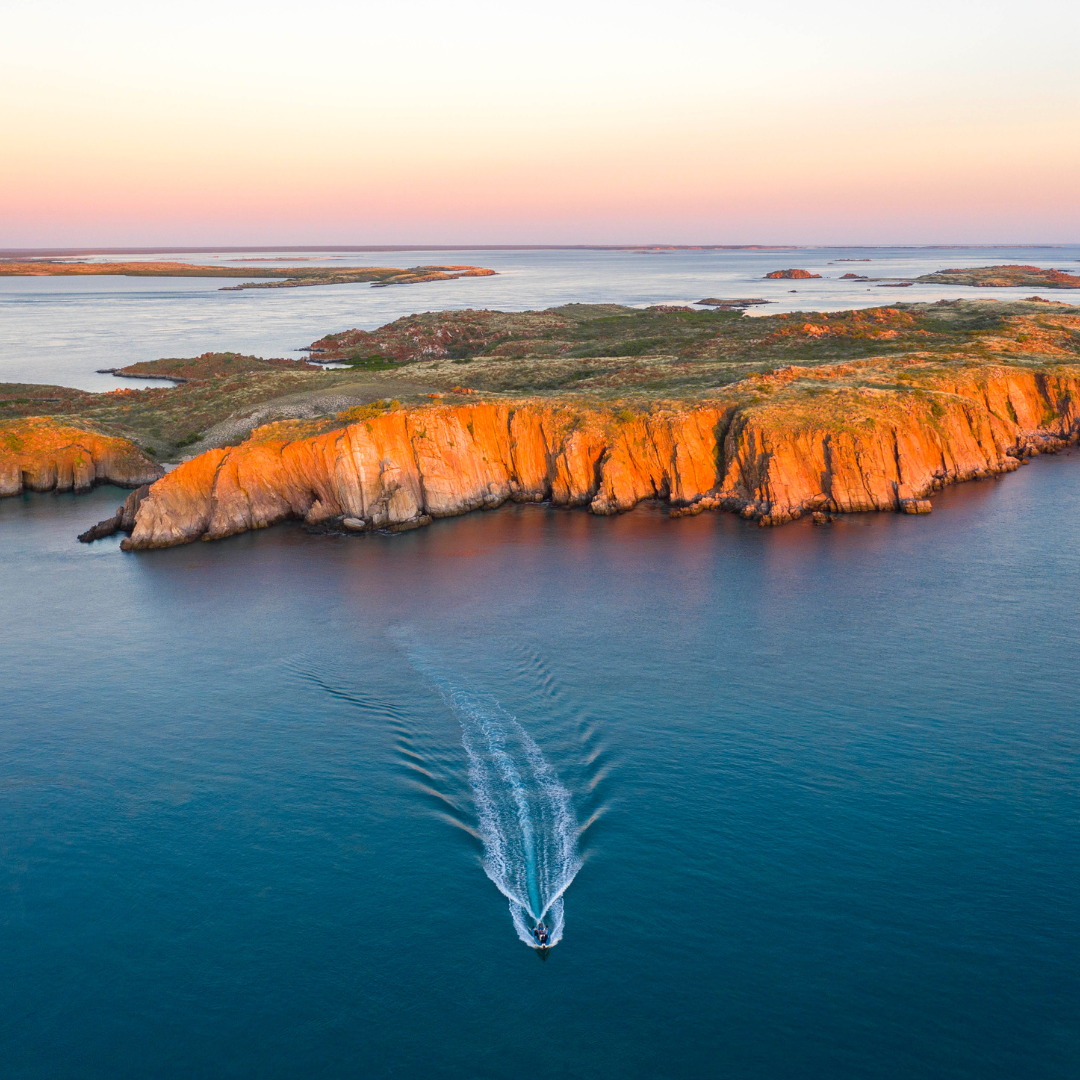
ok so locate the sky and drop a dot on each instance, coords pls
(413, 122)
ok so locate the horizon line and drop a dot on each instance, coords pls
(160, 249)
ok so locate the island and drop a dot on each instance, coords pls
(285, 277)
(1004, 277)
(796, 274)
(773, 417)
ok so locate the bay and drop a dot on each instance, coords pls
(827, 781)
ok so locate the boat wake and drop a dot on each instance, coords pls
(525, 813)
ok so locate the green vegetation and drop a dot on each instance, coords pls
(369, 363)
(632, 358)
(1005, 276)
(285, 277)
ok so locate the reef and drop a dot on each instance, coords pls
(286, 277)
(39, 453)
(1005, 276)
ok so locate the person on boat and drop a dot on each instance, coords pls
(540, 933)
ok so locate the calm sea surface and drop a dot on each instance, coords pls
(798, 802)
(61, 330)
(826, 783)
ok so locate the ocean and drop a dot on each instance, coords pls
(61, 330)
(795, 802)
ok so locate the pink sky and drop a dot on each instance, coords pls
(586, 123)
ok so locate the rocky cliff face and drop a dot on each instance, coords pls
(783, 444)
(871, 448)
(42, 454)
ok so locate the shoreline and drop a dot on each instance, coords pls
(401, 469)
(604, 406)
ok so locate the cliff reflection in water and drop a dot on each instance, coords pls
(828, 775)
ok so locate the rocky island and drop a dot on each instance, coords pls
(285, 277)
(772, 417)
(1004, 277)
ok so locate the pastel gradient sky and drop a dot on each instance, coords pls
(796, 121)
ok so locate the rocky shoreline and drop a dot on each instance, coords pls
(39, 453)
(773, 418)
(769, 462)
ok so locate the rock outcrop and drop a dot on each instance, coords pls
(1011, 275)
(797, 274)
(40, 453)
(773, 451)
(122, 521)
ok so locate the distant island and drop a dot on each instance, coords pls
(285, 278)
(1004, 277)
(595, 405)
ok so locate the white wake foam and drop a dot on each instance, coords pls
(526, 815)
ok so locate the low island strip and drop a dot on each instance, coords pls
(289, 277)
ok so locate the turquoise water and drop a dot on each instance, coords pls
(823, 788)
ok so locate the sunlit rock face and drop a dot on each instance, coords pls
(38, 453)
(772, 452)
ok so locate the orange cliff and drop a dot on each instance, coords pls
(765, 455)
(42, 454)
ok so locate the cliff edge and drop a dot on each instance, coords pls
(867, 435)
(41, 453)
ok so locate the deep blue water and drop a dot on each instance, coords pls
(831, 778)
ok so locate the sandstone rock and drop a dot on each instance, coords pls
(800, 274)
(915, 506)
(101, 529)
(406, 526)
(122, 521)
(39, 453)
(127, 512)
(770, 459)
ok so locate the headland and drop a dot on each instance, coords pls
(771, 417)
